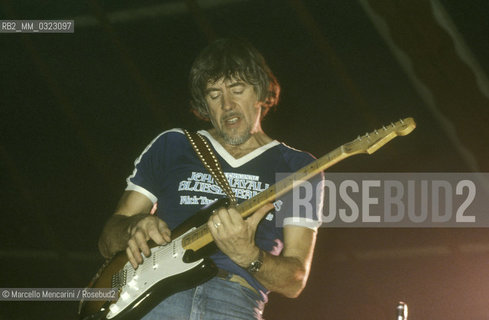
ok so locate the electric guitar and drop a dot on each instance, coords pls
(183, 263)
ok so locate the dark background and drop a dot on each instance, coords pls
(77, 109)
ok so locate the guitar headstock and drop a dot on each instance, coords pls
(371, 142)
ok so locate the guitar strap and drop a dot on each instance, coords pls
(210, 161)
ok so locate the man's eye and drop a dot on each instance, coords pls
(213, 96)
(238, 91)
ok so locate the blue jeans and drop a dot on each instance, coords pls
(217, 299)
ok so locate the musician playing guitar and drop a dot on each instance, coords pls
(232, 87)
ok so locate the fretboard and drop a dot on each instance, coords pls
(369, 143)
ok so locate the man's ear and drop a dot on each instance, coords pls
(203, 115)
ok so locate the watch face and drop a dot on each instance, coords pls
(256, 265)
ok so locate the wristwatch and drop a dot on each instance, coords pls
(256, 265)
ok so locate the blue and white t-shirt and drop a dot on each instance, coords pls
(169, 172)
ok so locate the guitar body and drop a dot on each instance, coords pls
(168, 270)
(178, 277)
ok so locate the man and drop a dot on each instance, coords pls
(233, 88)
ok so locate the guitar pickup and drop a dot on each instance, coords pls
(174, 250)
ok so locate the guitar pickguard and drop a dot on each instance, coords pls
(161, 274)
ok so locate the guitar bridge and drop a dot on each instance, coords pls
(119, 279)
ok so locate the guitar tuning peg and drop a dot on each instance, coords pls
(359, 138)
(401, 121)
(383, 127)
(376, 132)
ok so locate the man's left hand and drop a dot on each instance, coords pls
(236, 236)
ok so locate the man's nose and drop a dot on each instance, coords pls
(227, 101)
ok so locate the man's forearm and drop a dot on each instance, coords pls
(284, 275)
(115, 234)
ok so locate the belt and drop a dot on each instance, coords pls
(224, 274)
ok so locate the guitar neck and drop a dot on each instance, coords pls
(202, 236)
(369, 143)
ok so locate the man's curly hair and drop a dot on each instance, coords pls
(231, 59)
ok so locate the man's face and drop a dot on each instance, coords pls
(234, 109)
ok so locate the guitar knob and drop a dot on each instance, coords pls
(133, 284)
(125, 296)
(114, 308)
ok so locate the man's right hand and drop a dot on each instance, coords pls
(148, 228)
